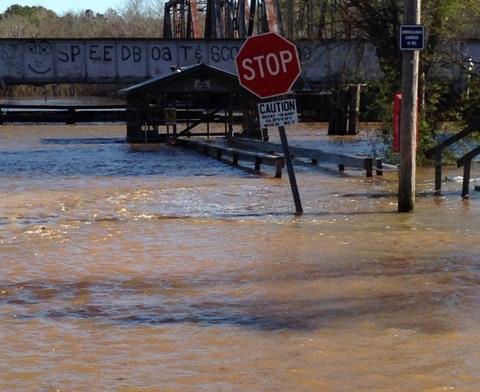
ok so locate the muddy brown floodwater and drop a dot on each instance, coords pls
(157, 269)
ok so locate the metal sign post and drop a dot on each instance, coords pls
(290, 171)
(268, 66)
(278, 114)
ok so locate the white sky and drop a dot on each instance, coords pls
(63, 6)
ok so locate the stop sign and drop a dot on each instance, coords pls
(267, 65)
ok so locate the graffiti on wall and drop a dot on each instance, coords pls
(123, 60)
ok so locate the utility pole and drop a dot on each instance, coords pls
(408, 122)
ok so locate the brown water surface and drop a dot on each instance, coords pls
(153, 268)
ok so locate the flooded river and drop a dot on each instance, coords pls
(157, 269)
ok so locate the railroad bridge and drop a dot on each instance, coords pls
(124, 61)
(199, 31)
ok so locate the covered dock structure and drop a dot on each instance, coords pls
(185, 103)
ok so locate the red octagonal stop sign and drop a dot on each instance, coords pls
(268, 65)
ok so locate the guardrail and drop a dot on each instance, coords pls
(437, 151)
(220, 152)
(342, 160)
(68, 114)
(466, 162)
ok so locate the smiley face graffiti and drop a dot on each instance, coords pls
(39, 57)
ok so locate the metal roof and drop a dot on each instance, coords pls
(180, 74)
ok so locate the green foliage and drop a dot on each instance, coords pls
(32, 15)
(137, 18)
(442, 98)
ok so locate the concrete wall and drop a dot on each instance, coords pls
(124, 60)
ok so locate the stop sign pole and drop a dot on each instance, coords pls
(268, 66)
(290, 171)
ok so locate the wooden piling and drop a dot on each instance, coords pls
(354, 112)
(379, 165)
(466, 179)
(438, 172)
(369, 167)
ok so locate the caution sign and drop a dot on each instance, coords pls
(277, 113)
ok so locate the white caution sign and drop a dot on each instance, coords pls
(277, 113)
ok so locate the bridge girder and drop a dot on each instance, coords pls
(220, 19)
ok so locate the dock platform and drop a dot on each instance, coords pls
(232, 155)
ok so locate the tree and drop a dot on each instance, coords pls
(446, 22)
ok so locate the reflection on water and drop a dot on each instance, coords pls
(148, 268)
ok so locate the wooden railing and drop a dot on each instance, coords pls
(466, 162)
(221, 152)
(316, 156)
(437, 152)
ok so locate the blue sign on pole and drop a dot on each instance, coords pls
(412, 37)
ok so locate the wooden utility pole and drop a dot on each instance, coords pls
(408, 123)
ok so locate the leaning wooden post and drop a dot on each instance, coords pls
(408, 123)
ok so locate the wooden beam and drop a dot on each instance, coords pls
(468, 157)
(314, 155)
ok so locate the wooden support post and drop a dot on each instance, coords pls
(188, 110)
(208, 116)
(341, 168)
(230, 116)
(379, 167)
(258, 161)
(219, 154)
(338, 119)
(369, 167)
(314, 161)
(278, 169)
(408, 123)
(466, 179)
(438, 172)
(354, 112)
(235, 159)
(71, 116)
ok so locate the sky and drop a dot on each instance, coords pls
(63, 6)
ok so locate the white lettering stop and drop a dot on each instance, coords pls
(267, 65)
(271, 64)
